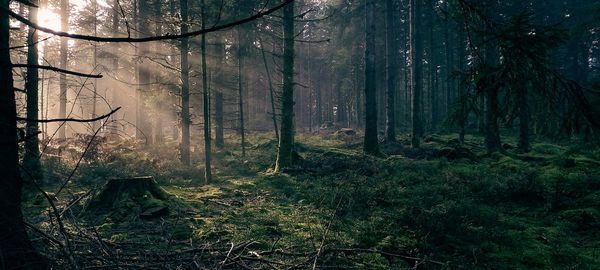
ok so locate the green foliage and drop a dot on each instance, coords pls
(499, 212)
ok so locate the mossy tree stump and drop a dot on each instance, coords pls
(125, 196)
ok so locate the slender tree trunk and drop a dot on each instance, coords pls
(271, 94)
(391, 69)
(417, 62)
(371, 142)
(31, 160)
(143, 122)
(341, 105)
(286, 140)
(185, 87)
(158, 121)
(219, 140)
(206, 102)
(115, 58)
(319, 112)
(15, 247)
(524, 121)
(310, 92)
(64, 47)
(240, 91)
(492, 133)
(95, 56)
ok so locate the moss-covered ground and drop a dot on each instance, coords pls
(406, 209)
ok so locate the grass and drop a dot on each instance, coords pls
(534, 211)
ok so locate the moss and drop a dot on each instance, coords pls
(182, 232)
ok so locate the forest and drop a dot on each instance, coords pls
(299, 134)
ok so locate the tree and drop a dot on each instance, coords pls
(31, 160)
(143, 123)
(286, 140)
(240, 59)
(206, 102)
(15, 247)
(391, 71)
(417, 70)
(64, 49)
(371, 144)
(185, 87)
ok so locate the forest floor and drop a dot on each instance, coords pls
(441, 207)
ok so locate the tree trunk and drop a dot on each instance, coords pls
(492, 133)
(95, 63)
(143, 123)
(371, 142)
(391, 69)
(271, 94)
(15, 247)
(185, 88)
(158, 121)
(341, 105)
(524, 121)
(220, 53)
(206, 102)
(417, 62)
(286, 140)
(319, 112)
(219, 140)
(115, 51)
(64, 47)
(240, 91)
(31, 160)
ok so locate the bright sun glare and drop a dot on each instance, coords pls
(49, 19)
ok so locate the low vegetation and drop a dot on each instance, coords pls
(442, 207)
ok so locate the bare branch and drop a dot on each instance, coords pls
(70, 119)
(144, 39)
(57, 70)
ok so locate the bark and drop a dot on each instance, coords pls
(417, 62)
(95, 56)
(240, 92)
(64, 47)
(15, 247)
(319, 112)
(286, 140)
(271, 94)
(219, 140)
(341, 105)
(158, 121)
(143, 122)
(492, 134)
(391, 69)
(31, 160)
(370, 142)
(205, 105)
(185, 88)
(115, 59)
(524, 122)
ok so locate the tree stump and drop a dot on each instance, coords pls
(125, 196)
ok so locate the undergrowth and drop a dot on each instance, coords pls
(538, 210)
